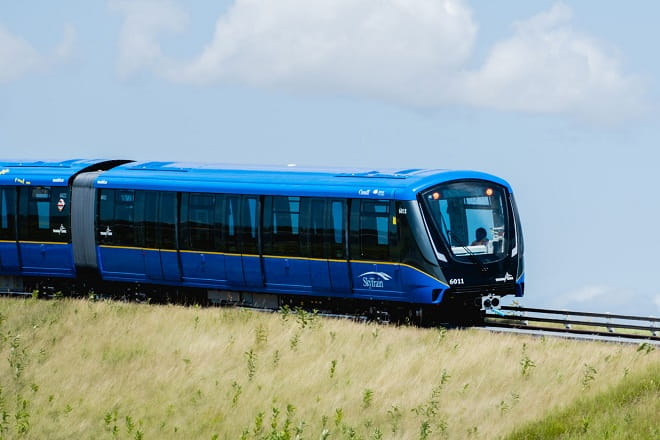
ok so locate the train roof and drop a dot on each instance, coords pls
(49, 172)
(351, 182)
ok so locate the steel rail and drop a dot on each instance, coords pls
(573, 313)
(586, 323)
(542, 330)
(521, 317)
(7, 292)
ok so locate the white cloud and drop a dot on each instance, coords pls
(547, 66)
(18, 57)
(411, 52)
(393, 48)
(144, 22)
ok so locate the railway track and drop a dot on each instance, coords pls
(534, 321)
(580, 324)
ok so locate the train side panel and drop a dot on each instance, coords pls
(122, 263)
(326, 246)
(204, 268)
(47, 260)
(9, 261)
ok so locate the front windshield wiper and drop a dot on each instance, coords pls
(469, 252)
(459, 242)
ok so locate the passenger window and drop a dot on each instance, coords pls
(249, 224)
(116, 225)
(282, 226)
(199, 221)
(146, 206)
(8, 212)
(106, 211)
(219, 222)
(229, 223)
(41, 199)
(137, 218)
(124, 218)
(317, 234)
(337, 223)
(373, 229)
(44, 213)
(324, 228)
(167, 222)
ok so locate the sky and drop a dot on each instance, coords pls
(558, 98)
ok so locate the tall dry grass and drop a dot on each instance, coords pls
(79, 369)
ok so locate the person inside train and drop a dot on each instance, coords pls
(482, 239)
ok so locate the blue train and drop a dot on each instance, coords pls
(418, 244)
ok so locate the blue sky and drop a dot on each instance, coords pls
(559, 98)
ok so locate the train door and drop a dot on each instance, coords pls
(326, 227)
(285, 250)
(238, 223)
(249, 238)
(147, 218)
(230, 229)
(169, 257)
(9, 257)
(159, 225)
(314, 219)
(202, 259)
(340, 271)
(374, 264)
(120, 235)
(43, 231)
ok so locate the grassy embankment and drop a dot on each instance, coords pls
(78, 369)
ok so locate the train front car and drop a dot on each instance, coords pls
(475, 229)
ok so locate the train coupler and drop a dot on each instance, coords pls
(491, 302)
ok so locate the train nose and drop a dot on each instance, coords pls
(490, 302)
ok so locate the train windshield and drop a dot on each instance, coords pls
(472, 218)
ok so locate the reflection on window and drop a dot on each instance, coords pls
(5, 211)
(41, 197)
(282, 226)
(374, 229)
(338, 222)
(8, 212)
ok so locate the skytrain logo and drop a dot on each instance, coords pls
(374, 280)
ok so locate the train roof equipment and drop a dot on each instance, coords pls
(49, 173)
(282, 180)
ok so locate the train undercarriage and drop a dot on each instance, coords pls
(466, 310)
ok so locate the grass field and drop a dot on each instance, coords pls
(629, 410)
(79, 369)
